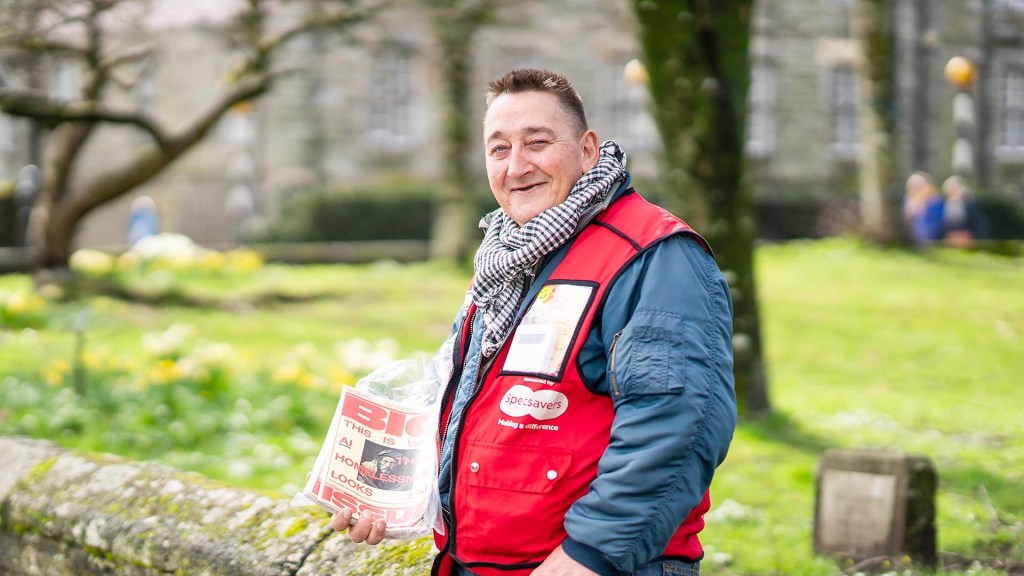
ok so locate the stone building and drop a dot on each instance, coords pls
(803, 135)
(364, 112)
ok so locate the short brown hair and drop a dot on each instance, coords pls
(537, 80)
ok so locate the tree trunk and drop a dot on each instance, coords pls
(874, 121)
(696, 54)
(54, 251)
(455, 24)
(454, 223)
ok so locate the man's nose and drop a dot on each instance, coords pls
(518, 162)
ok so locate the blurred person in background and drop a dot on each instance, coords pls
(963, 221)
(142, 220)
(922, 209)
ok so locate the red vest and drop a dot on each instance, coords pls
(531, 438)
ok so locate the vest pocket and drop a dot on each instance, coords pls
(520, 468)
(511, 502)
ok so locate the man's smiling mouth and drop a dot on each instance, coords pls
(526, 189)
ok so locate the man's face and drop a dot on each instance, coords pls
(387, 464)
(533, 154)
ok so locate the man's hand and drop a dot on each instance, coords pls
(365, 530)
(368, 530)
(560, 564)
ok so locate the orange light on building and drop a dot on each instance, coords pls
(960, 72)
(245, 107)
(636, 73)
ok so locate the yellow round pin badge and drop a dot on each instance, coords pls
(545, 294)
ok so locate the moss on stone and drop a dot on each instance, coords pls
(299, 525)
(408, 553)
(37, 473)
(185, 569)
(100, 553)
(201, 514)
(38, 520)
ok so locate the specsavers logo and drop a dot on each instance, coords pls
(543, 404)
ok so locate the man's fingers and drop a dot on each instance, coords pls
(367, 529)
(342, 520)
(361, 530)
(376, 531)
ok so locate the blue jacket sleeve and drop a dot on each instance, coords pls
(663, 352)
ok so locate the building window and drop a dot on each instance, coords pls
(65, 81)
(844, 112)
(144, 90)
(5, 74)
(761, 100)
(7, 147)
(7, 138)
(238, 126)
(631, 124)
(390, 122)
(1011, 140)
(1008, 5)
(7, 144)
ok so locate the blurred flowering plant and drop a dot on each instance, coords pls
(192, 402)
(22, 309)
(166, 252)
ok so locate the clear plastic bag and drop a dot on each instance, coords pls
(379, 457)
(408, 382)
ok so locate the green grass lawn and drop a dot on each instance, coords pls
(920, 352)
(869, 348)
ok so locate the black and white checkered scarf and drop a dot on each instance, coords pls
(505, 262)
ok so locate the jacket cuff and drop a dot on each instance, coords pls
(589, 557)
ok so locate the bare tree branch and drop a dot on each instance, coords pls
(152, 161)
(320, 22)
(40, 27)
(126, 81)
(62, 11)
(33, 104)
(133, 54)
(46, 45)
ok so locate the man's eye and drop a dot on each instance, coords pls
(497, 150)
(538, 143)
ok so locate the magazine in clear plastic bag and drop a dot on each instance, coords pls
(379, 457)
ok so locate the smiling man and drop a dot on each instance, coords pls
(536, 152)
(590, 396)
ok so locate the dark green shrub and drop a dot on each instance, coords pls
(1005, 216)
(354, 215)
(401, 212)
(7, 215)
(790, 218)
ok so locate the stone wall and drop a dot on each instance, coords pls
(69, 513)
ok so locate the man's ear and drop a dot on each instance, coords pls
(590, 150)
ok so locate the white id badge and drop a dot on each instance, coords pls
(541, 343)
(531, 349)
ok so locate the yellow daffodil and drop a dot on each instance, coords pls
(165, 372)
(93, 262)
